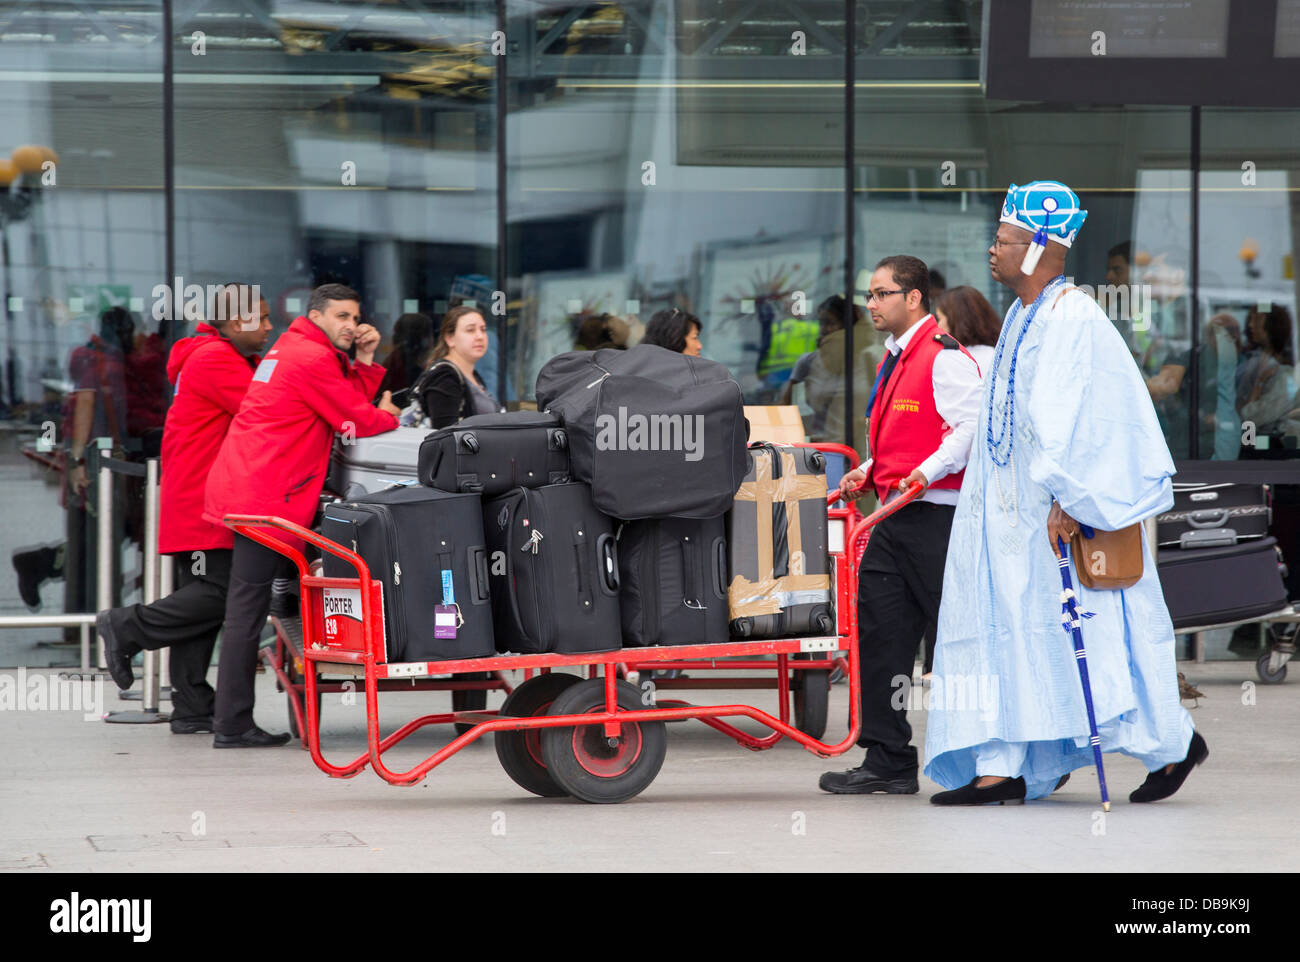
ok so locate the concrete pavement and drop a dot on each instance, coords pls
(83, 796)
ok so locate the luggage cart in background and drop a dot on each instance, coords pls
(597, 739)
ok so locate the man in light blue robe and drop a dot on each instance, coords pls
(1067, 436)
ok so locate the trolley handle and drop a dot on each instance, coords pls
(880, 514)
(255, 527)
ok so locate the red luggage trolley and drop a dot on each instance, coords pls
(556, 734)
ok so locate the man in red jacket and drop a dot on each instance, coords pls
(216, 364)
(273, 462)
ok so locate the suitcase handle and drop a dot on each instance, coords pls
(479, 574)
(1208, 518)
(720, 567)
(608, 562)
(470, 442)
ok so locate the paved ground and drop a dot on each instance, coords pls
(80, 795)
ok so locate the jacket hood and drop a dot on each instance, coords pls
(185, 347)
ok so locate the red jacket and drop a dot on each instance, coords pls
(905, 426)
(216, 376)
(275, 456)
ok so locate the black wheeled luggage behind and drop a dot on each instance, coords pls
(488, 454)
(1214, 515)
(777, 543)
(673, 574)
(554, 571)
(427, 548)
(1208, 586)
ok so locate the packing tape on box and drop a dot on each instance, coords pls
(748, 599)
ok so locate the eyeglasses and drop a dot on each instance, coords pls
(999, 242)
(881, 295)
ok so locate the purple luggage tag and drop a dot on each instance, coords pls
(446, 617)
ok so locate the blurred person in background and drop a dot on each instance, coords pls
(675, 330)
(412, 342)
(450, 389)
(967, 315)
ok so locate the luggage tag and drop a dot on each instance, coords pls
(447, 617)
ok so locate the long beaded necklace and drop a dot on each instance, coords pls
(1007, 429)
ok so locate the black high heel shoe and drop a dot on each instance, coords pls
(1011, 791)
(1161, 785)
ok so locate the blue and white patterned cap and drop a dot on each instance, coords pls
(1044, 204)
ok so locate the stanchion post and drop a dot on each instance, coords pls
(166, 584)
(149, 686)
(103, 552)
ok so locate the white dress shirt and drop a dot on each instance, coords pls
(957, 396)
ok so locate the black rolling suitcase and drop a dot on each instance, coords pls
(554, 571)
(427, 548)
(488, 454)
(673, 576)
(1210, 586)
(1214, 515)
(777, 546)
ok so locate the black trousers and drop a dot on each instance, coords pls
(253, 568)
(187, 621)
(899, 586)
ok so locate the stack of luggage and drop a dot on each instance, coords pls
(629, 510)
(1216, 560)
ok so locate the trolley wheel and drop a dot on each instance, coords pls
(584, 763)
(520, 752)
(812, 698)
(471, 700)
(1266, 676)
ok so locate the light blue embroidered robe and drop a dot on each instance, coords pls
(1086, 435)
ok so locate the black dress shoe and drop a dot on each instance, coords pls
(119, 661)
(253, 738)
(1061, 784)
(865, 781)
(192, 726)
(1159, 785)
(1009, 791)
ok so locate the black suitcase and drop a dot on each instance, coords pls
(554, 571)
(673, 577)
(416, 540)
(777, 546)
(488, 454)
(1213, 586)
(656, 434)
(1214, 515)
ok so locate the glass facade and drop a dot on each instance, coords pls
(574, 168)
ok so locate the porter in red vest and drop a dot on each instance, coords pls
(921, 422)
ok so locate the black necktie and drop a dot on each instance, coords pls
(881, 379)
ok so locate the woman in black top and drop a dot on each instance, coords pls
(450, 389)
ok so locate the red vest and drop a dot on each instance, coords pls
(905, 426)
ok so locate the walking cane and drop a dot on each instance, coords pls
(1070, 621)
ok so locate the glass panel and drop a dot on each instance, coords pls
(1250, 211)
(331, 141)
(933, 166)
(664, 156)
(81, 246)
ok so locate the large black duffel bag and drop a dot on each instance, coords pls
(554, 571)
(427, 549)
(488, 454)
(655, 433)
